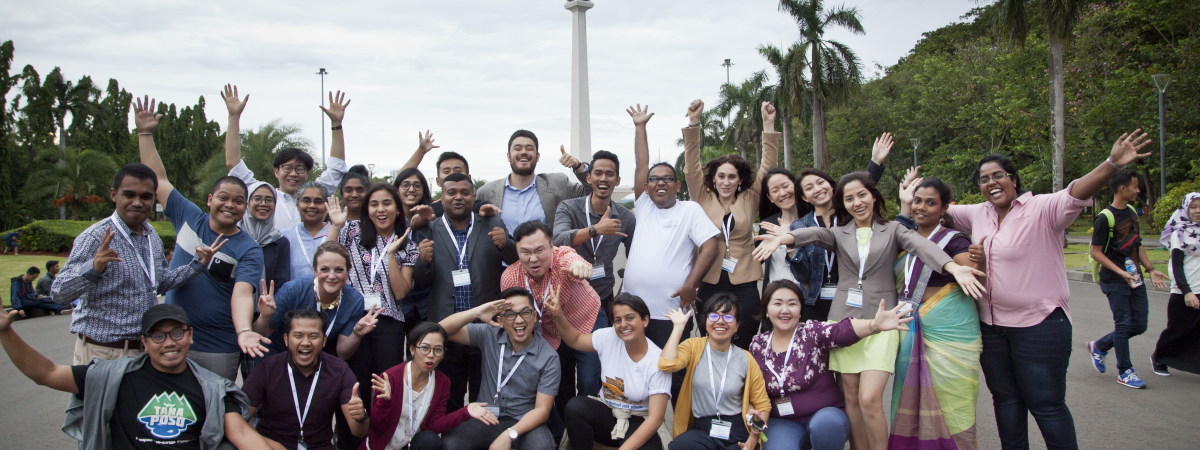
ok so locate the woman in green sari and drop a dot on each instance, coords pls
(937, 369)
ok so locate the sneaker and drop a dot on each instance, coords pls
(1097, 357)
(1130, 379)
(1159, 368)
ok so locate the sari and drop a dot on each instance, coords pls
(937, 370)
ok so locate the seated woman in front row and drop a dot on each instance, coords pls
(711, 412)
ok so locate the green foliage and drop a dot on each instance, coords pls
(71, 178)
(258, 151)
(1172, 201)
(59, 235)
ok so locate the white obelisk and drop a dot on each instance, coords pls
(581, 116)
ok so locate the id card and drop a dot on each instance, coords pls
(300, 445)
(598, 271)
(784, 406)
(854, 298)
(828, 291)
(372, 301)
(720, 429)
(462, 277)
(906, 310)
(728, 264)
(494, 410)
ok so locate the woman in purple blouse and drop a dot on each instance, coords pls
(794, 358)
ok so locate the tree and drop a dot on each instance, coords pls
(8, 171)
(70, 178)
(834, 67)
(791, 90)
(258, 151)
(186, 139)
(745, 127)
(79, 99)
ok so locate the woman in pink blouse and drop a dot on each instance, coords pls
(1024, 317)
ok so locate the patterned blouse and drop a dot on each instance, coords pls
(360, 266)
(806, 381)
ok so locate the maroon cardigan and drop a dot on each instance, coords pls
(385, 414)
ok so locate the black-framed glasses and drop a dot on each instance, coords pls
(727, 318)
(407, 185)
(425, 350)
(510, 316)
(995, 176)
(161, 336)
(655, 180)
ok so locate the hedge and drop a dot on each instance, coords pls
(1170, 202)
(58, 235)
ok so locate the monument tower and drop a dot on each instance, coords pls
(581, 117)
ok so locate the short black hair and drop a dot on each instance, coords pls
(300, 314)
(605, 154)
(33, 270)
(51, 263)
(136, 170)
(452, 155)
(663, 164)
(456, 177)
(531, 227)
(357, 172)
(1122, 178)
(517, 292)
(522, 133)
(291, 153)
(633, 302)
(723, 303)
(426, 196)
(418, 333)
(229, 180)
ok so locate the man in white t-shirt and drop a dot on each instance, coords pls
(661, 268)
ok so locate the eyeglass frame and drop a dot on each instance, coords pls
(725, 318)
(511, 315)
(312, 201)
(985, 179)
(262, 199)
(427, 349)
(410, 184)
(657, 179)
(298, 169)
(182, 333)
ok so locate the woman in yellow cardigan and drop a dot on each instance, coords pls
(712, 414)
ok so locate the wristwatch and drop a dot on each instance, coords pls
(584, 166)
(592, 231)
(512, 434)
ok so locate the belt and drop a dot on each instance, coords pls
(122, 344)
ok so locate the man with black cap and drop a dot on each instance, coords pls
(157, 399)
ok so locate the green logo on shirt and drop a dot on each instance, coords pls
(167, 415)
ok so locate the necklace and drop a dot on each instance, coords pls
(323, 306)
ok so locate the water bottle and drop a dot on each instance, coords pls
(1133, 270)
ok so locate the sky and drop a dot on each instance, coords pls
(472, 72)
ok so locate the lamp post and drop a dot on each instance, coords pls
(727, 65)
(1161, 81)
(915, 143)
(371, 171)
(322, 73)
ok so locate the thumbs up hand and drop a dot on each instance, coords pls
(354, 409)
(609, 226)
(567, 160)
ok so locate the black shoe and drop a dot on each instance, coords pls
(1159, 368)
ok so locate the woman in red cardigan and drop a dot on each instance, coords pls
(410, 399)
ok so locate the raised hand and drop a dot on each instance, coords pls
(679, 317)
(382, 386)
(639, 114)
(487, 312)
(499, 237)
(144, 119)
(770, 243)
(567, 160)
(489, 210)
(204, 254)
(695, 112)
(768, 115)
(252, 343)
(355, 408)
(551, 305)
(608, 226)
(479, 412)
(368, 322)
(909, 176)
(773, 229)
(7, 318)
(397, 243)
(883, 146)
(426, 142)
(337, 107)
(105, 255)
(426, 251)
(579, 269)
(235, 106)
(686, 295)
(1125, 150)
(891, 319)
(266, 300)
(337, 213)
(425, 211)
(908, 192)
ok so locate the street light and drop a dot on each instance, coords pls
(371, 170)
(1161, 81)
(726, 65)
(915, 143)
(322, 73)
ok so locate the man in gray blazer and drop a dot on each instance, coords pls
(463, 273)
(523, 196)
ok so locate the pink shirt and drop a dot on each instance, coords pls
(1027, 277)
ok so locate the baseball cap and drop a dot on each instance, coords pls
(161, 312)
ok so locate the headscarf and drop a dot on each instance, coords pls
(1183, 228)
(262, 231)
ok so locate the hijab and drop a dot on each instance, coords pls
(1181, 227)
(262, 231)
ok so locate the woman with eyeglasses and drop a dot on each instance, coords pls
(414, 191)
(809, 411)
(409, 410)
(259, 223)
(723, 389)
(1025, 322)
(312, 202)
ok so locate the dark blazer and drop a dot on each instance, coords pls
(483, 261)
(385, 414)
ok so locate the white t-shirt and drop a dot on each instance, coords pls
(420, 402)
(661, 256)
(623, 383)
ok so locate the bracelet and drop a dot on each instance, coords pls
(1111, 163)
(871, 325)
(690, 125)
(336, 128)
(145, 134)
(243, 330)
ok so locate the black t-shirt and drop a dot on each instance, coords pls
(156, 409)
(1125, 225)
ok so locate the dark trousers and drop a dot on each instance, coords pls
(476, 435)
(697, 436)
(1177, 345)
(818, 312)
(1026, 371)
(748, 302)
(659, 331)
(606, 305)
(377, 352)
(1130, 309)
(48, 306)
(463, 365)
(426, 440)
(590, 420)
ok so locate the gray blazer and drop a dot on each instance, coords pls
(483, 261)
(553, 188)
(879, 278)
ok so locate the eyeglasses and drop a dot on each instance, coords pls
(425, 350)
(510, 316)
(312, 201)
(727, 318)
(655, 180)
(160, 336)
(259, 200)
(294, 169)
(995, 176)
(407, 185)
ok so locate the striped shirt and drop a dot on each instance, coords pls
(578, 301)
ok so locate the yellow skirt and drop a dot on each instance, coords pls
(877, 352)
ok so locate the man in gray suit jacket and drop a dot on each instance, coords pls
(464, 272)
(520, 194)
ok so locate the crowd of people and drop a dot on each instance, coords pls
(362, 315)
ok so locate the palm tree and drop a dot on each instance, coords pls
(790, 90)
(833, 65)
(63, 97)
(745, 127)
(1060, 16)
(70, 178)
(258, 151)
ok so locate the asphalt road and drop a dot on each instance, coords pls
(1107, 415)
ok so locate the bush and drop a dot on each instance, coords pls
(58, 235)
(1170, 202)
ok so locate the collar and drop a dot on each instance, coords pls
(532, 185)
(320, 234)
(1020, 200)
(146, 228)
(296, 369)
(530, 349)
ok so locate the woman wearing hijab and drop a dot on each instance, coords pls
(259, 223)
(1179, 345)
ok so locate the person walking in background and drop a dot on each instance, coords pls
(12, 241)
(1178, 346)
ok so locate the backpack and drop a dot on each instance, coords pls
(1112, 221)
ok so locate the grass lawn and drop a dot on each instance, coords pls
(1077, 256)
(11, 266)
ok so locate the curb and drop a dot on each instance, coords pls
(1086, 277)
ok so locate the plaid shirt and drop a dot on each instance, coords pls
(360, 266)
(111, 303)
(578, 301)
(463, 298)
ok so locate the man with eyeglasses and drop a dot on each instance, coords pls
(159, 399)
(520, 374)
(292, 165)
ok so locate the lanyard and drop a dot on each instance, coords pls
(909, 262)
(862, 256)
(726, 225)
(500, 384)
(148, 270)
(413, 423)
(296, 401)
(830, 257)
(335, 308)
(717, 389)
(788, 355)
(587, 214)
(545, 293)
(461, 252)
(300, 240)
(377, 255)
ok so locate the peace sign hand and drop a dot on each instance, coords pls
(551, 305)
(105, 255)
(368, 322)
(382, 386)
(205, 254)
(608, 226)
(266, 300)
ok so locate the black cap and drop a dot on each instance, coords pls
(161, 312)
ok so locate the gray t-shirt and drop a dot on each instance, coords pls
(538, 372)
(735, 381)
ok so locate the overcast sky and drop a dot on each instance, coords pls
(470, 71)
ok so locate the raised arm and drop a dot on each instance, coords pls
(424, 146)
(336, 112)
(1124, 151)
(145, 121)
(233, 132)
(31, 363)
(692, 136)
(456, 324)
(770, 147)
(641, 147)
(570, 336)
(672, 359)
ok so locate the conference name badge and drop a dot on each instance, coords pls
(728, 264)
(462, 277)
(828, 290)
(854, 298)
(598, 271)
(720, 429)
(784, 406)
(373, 300)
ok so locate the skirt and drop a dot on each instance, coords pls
(1179, 344)
(876, 352)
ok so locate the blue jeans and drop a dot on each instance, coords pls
(1026, 371)
(1130, 309)
(828, 429)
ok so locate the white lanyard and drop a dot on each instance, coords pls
(453, 240)
(725, 227)
(377, 255)
(863, 253)
(717, 389)
(587, 214)
(300, 240)
(545, 293)
(413, 423)
(335, 309)
(149, 270)
(499, 384)
(909, 262)
(830, 256)
(788, 355)
(296, 401)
